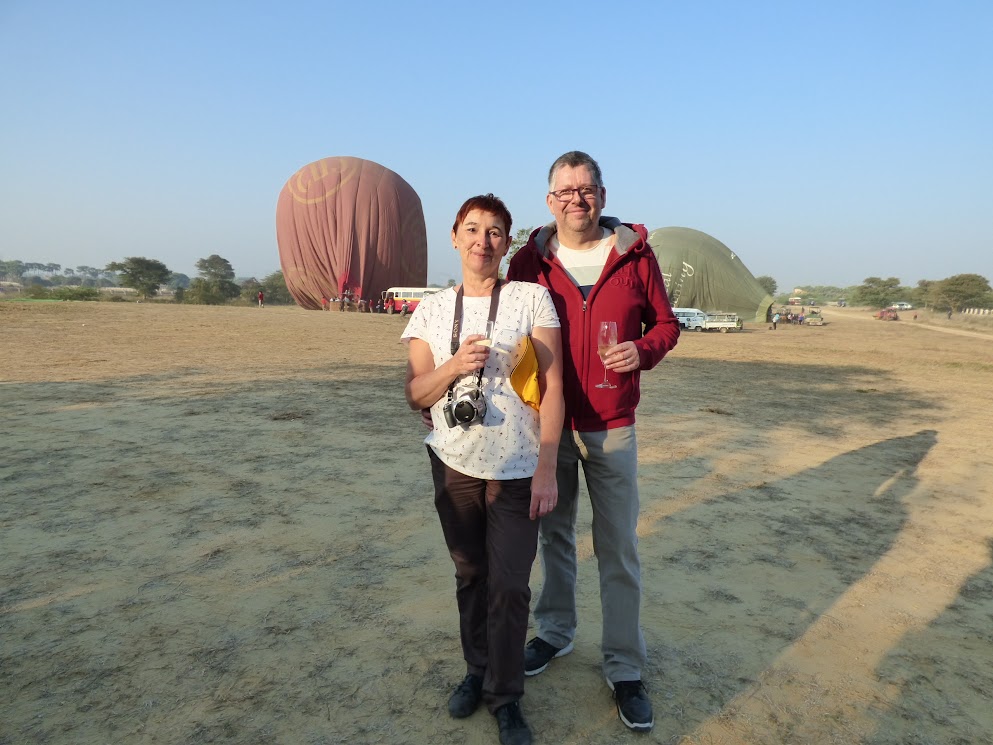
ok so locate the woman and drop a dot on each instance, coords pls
(493, 464)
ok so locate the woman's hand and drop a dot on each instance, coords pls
(544, 492)
(426, 384)
(470, 355)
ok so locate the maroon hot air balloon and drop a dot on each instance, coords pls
(347, 224)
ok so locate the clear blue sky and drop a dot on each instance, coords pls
(822, 142)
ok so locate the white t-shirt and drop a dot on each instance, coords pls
(505, 444)
(584, 266)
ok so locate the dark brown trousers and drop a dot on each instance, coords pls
(493, 542)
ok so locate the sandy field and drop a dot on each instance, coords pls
(217, 527)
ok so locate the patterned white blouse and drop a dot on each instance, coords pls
(505, 444)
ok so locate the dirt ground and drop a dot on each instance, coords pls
(216, 526)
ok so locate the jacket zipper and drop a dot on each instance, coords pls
(615, 258)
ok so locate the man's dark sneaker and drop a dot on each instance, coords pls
(513, 729)
(466, 697)
(538, 653)
(633, 706)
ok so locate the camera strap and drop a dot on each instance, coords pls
(457, 328)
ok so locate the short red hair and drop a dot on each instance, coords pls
(484, 203)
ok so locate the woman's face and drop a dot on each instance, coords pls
(482, 242)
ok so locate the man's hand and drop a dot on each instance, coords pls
(426, 419)
(623, 358)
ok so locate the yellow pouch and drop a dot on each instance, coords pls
(524, 378)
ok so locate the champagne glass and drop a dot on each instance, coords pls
(487, 333)
(606, 338)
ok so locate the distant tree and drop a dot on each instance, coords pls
(88, 275)
(177, 281)
(215, 268)
(13, 270)
(921, 295)
(250, 289)
(36, 292)
(451, 283)
(179, 295)
(768, 284)
(215, 284)
(76, 293)
(275, 290)
(141, 274)
(520, 240)
(210, 292)
(962, 291)
(877, 293)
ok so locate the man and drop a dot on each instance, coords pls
(597, 269)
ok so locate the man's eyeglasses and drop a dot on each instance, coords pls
(587, 193)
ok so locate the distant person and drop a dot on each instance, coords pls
(325, 303)
(341, 303)
(261, 299)
(492, 455)
(404, 309)
(775, 321)
(949, 314)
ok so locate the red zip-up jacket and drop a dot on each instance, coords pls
(631, 292)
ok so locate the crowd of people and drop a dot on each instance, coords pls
(505, 465)
(788, 315)
(348, 301)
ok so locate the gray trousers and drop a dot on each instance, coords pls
(610, 465)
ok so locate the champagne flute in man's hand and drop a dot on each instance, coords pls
(606, 338)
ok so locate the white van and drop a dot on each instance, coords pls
(690, 318)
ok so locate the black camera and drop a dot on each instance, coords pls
(468, 408)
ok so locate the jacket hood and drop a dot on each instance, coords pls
(630, 237)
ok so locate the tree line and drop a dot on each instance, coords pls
(952, 293)
(31, 272)
(214, 285)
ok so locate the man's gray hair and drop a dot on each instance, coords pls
(575, 159)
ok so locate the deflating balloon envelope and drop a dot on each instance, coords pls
(701, 272)
(347, 224)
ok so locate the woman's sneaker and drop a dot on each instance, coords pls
(513, 729)
(465, 700)
(538, 653)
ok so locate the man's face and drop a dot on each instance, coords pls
(576, 213)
